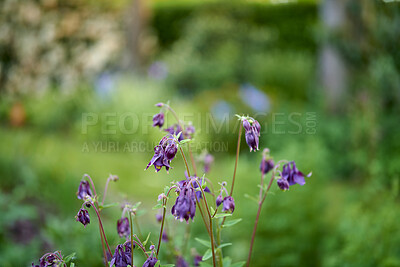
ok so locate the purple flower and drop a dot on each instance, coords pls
(291, 176)
(189, 131)
(266, 165)
(283, 184)
(164, 152)
(83, 217)
(150, 262)
(219, 200)
(159, 217)
(123, 228)
(164, 237)
(252, 133)
(208, 160)
(49, 259)
(197, 260)
(228, 204)
(185, 204)
(158, 120)
(122, 256)
(195, 185)
(180, 262)
(84, 190)
(175, 129)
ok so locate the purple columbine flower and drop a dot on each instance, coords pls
(158, 120)
(185, 204)
(83, 217)
(252, 133)
(122, 256)
(197, 259)
(150, 262)
(123, 228)
(266, 165)
(219, 200)
(208, 160)
(291, 176)
(49, 259)
(164, 237)
(180, 262)
(162, 157)
(84, 190)
(199, 195)
(228, 204)
(159, 217)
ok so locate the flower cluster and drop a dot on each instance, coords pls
(291, 176)
(228, 203)
(122, 255)
(185, 204)
(252, 133)
(164, 152)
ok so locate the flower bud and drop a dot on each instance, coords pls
(219, 200)
(283, 184)
(84, 190)
(170, 151)
(158, 120)
(246, 125)
(123, 228)
(266, 165)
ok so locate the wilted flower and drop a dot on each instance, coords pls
(266, 165)
(185, 204)
(84, 190)
(180, 262)
(291, 176)
(150, 262)
(252, 133)
(158, 120)
(123, 227)
(83, 217)
(164, 152)
(122, 256)
(228, 204)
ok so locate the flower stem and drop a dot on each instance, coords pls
(237, 159)
(102, 228)
(184, 159)
(260, 203)
(105, 191)
(163, 219)
(130, 221)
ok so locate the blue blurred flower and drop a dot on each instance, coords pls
(254, 98)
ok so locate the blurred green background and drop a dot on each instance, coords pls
(79, 80)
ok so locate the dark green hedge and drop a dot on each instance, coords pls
(292, 23)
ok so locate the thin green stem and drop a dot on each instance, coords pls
(102, 228)
(184, 159)
(163, 219)
(237, 159)
(130, 222)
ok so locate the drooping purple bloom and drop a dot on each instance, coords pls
(161, 157)
(199, 195)
(123, 228)
(208, 160)
(150, 262)
(291, 176)
(83, 217)
(219, 200)
(197, 259)
(283, 184)
(185, 204)
(266, 165)
(180, 262)
(159, 217)
(252, 133)
(122, 256)
(84, 190)
(228, 204)
(158, 120)
(164, 237)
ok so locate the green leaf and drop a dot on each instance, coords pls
(224, 245)
(157, 206)
(238, 264)
(226, 262)
(134, 207)
(221, 215)
(69, 257)
(212, 210)
(72, 264)
(204, 264)
(108, 205)
(207, 255)
(147, 239)
(185, 141)
(251, 198)
(203, 242)
(157, 264)
(231, 222)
